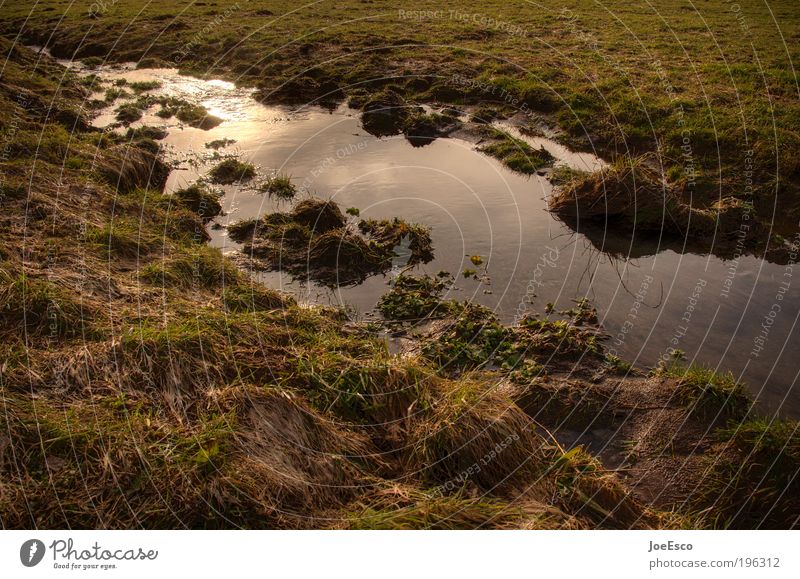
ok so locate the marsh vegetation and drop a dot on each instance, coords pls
(138, 360)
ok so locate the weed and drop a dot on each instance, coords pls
(279, 186)
(232, 171)
(707, 391)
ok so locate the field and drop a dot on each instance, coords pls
(147, 382)
(709, 88)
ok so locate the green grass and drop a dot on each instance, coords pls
(200, 200)
(123, 238)
(141, 86)
(232, 171)
(279, 186)
(414, 298)
(207, 404)
(37, 305)
(197, 116)
(622, 78)
(516, 154)
(129, 113)
(707, 391)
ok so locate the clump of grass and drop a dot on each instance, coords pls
(706, 391)
(217, 144)
(40, 306)
(414, 298)
(585, 488)
(127, 168)
(755, 482)
(471, 338)
(279, 186)
(410, 509)
(563, 174)
(313, 241)
(384, 113)
(147, 132)
(618, 365)
(140, 86)
(123, 238)
(474, 338)
(195, 267)
(354, 211)
(389, 233)
(115, 93)
(422, 128)
(253, 298)
(515, 153)
(474, 437)
(243, 230)
(376, 390)
(200, 200)
(197, 116)
(232, 171)
(318, 215)
(129, 113)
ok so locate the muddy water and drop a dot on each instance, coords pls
(714, 310)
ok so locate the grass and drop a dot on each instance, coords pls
(217, 144)
(232, 171)
(414, 298)
(407, 509)
(313, 241)
(280, 186)
(516, 154)
(123, 238)
(200, 399)
(755, 481)
(194, 267)
(37, 305)
(197, 116)
(140, 86)
(614, 78)
(129, 113)
(200, 200)
(707, 391)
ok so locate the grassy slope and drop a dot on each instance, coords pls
(629, 75)
(145, 382)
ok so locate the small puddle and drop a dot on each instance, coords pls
(712, 309)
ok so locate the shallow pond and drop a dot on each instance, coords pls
(714, 310)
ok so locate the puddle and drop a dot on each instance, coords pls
(710, 308)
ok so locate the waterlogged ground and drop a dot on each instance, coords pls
(737, 315)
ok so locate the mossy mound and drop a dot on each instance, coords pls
(232, 171)
(421, 128)
(314, 242)
(199, 199)
(515, 153)
(385, 113)
(197, 116)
